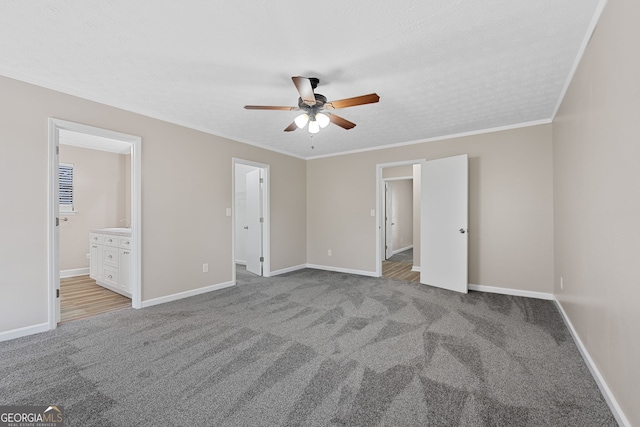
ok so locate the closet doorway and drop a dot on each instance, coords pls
(251, 218)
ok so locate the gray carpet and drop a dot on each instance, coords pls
(312, 348)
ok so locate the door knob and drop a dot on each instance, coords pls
(246, 227)
(462, 230)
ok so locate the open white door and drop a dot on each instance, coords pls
(444, 223)
(56, 233)
(388, 221)
(254, 221)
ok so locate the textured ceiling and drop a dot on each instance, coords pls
(441, 68)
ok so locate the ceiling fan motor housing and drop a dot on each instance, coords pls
(314, 82)
(320, 101)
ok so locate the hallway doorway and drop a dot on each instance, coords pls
(400, 267)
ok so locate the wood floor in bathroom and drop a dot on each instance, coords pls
(81, 297)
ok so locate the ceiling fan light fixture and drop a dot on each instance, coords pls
(313, 107)
(323, 120)
(301, 120)
(314, 127)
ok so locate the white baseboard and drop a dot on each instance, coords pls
(595, 372)
(186, 294)
(238, 261)
(343, 270)
(74, 272)
(514, 292)
(23, 332)
(288, 269)
(406, 248)
(415, 268)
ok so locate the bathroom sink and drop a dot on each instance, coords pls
(114, 230)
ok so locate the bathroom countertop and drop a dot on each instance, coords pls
(114, 231)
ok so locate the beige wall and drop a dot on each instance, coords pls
(510, 206)
(397, 171)
(125, 164)
(186, 188)
(596, 149)
(100, 192)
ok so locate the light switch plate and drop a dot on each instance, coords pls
(228, 211)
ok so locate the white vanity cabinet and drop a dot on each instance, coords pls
(110, 258)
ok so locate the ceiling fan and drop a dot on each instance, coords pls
(315, 107)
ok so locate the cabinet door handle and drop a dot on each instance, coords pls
(110, 276)
(94, 246)
(126, 243)
(126, 253)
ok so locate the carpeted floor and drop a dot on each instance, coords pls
(312, 348)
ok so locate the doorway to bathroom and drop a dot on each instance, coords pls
(94, 207)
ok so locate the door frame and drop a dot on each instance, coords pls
(266, 211)
(53, 250)
(387, 244)
(380, 206)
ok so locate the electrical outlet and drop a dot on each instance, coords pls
(205, 268)
(88, 256)
(561, 284)
(329, 252)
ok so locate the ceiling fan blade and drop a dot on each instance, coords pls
(291, 127)
(352, 102)
(270, 107)
(303, 84)
(343, 123)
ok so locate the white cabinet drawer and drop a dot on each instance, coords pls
(110, 240)
(110, 256)
(110, 275)
(124, 242)
(95, 238)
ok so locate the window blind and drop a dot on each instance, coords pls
(65, 174)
